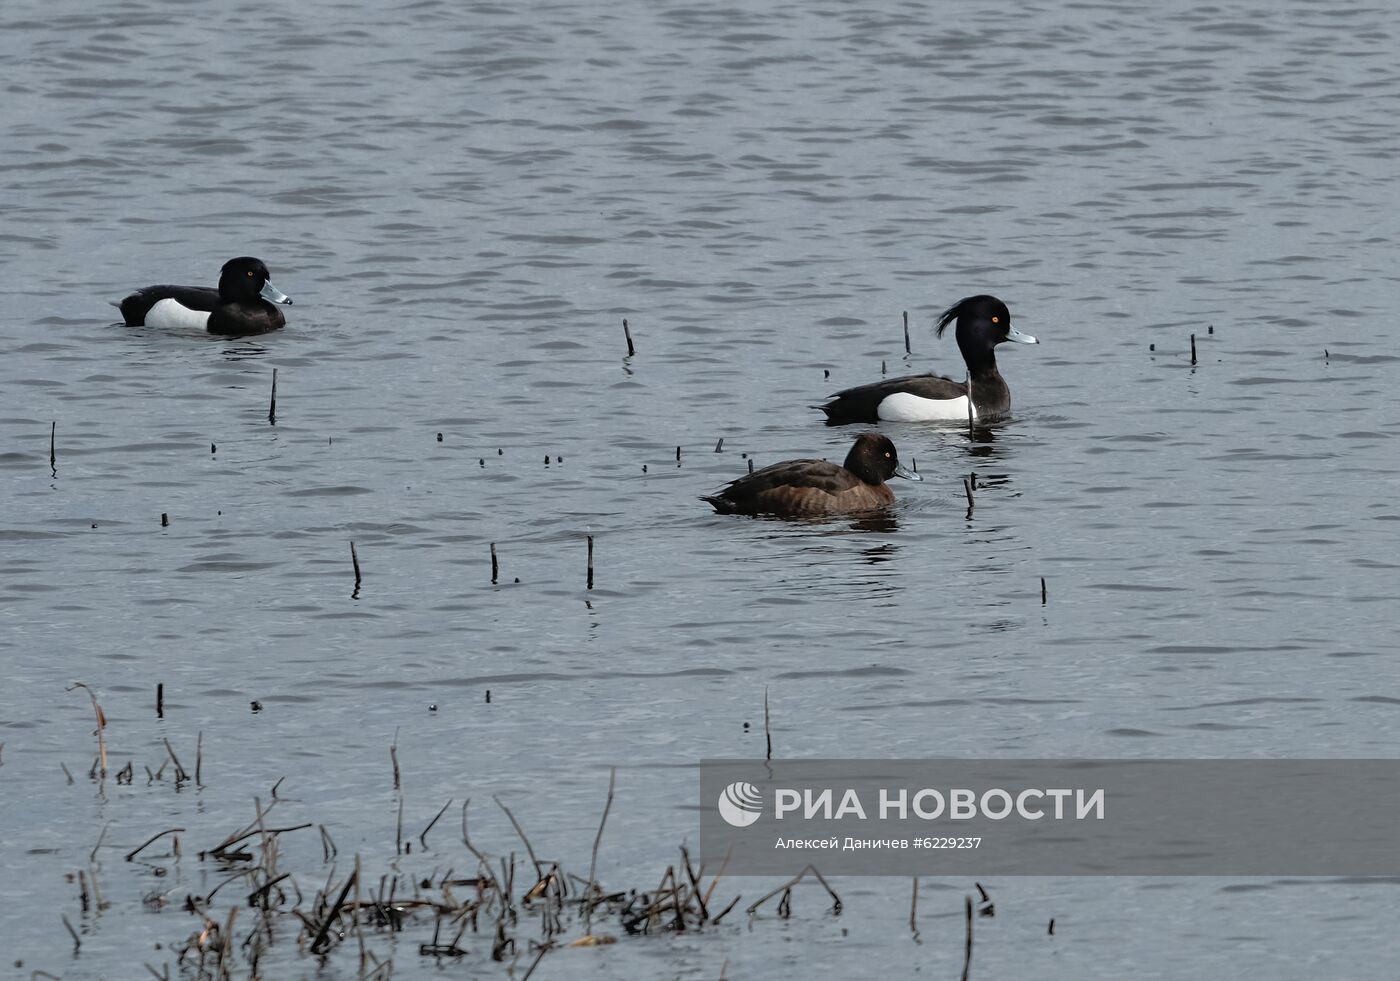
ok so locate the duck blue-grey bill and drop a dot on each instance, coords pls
(1013, 335)
(899, 471)
(273, 294)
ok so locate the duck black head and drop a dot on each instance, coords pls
(983, 322)
(246, 278)
(873, 459)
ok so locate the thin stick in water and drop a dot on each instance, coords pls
(77, 944)
(539, 869)
(101, 723)
(319, 944)
(786, 888)
(92, 855)
(139, 848)
(590, 561)
(593, 862)
(546, 948)
(767, 733)
(272, 405)
(467, 840)
(1193, 348)
(160, 700)
(394, 757)
(355, 561)
(423, 838)
(53, 455)
(719, 447)
(967, 950)
(627, 333)
(967, 488)
(495, 565)
(1043, 595)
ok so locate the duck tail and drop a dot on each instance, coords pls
(720, 504)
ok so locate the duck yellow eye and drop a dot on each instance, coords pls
(887, 456)
(996, 320)
(250, 276)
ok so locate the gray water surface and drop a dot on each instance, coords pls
(465, 200)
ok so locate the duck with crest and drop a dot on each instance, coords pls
(983, 322)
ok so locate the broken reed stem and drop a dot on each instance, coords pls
(967, 488)
(521, 832)
(627, 333)
(906, 333)
(318, 945)
(546, 948)
(394, 757)
(495, 564)
(199, 758)
(466, 840)
(101, 724)
(593, 862)
(836, 904)
(767, 733)
(359, 930)
(719, 875)
(914, 909)
(967, 951)
(1193, 349)
(590, 561)
(53, 456)
(223, 847)
(725, 912)
(92, 856)
(226, 956)
(141, 847)
(1042, 591)
(77, 943)
(328, 849)
(694, 878)
(272, 405)
(160, 700)
(180, 774)
(423, 838)
(355, 561)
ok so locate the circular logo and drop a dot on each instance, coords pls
(740, 804)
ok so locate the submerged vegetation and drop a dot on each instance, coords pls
(274, 895)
